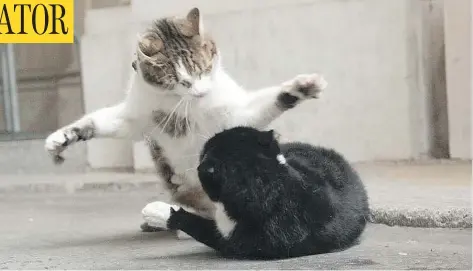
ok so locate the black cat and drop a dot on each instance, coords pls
(275, 200)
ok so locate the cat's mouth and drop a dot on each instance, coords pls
(195, 93)
(198, 95)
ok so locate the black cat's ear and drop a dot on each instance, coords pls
(266, 138)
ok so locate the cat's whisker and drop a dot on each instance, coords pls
(195, 129)
(190, 155)
(164, 119)
(171, 114)
(188, 124)
(176, 120)
(205, 134)
(203, 137)
(203, 127)
(225, 115)
(168, 116)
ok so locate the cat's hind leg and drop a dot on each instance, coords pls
(156, 214)
(183, 192)
(207, 210)
(195, 201)
(155, 217)
(166, 216)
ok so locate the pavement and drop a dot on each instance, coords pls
(99, 229)
(434, 194)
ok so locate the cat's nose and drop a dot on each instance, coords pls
(198, 95)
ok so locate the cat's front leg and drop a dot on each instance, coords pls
(265, 105)
(108, 122)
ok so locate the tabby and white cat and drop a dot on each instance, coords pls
(179, 97)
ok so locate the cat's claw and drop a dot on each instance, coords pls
(58, 141)
(156, 214)
(308, 85)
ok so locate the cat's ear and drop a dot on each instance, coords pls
(269, 141)
(195, 18)
(149, 45)
(266, 138)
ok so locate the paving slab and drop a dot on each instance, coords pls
(100, 230)
(415, 194)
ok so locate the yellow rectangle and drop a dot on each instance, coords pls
(36, 21)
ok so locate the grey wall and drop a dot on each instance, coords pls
(458, 58)
(384, 60)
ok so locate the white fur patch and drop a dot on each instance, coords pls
(55, 141)
(225, 224)
(281, 159)
(200, 86)
(183, 236)
(157, 213)
(182, 72)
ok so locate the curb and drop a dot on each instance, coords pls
(422, 217)
(76, 187)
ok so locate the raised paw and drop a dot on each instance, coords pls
(156, 214)
(308, 86)
(58, 141)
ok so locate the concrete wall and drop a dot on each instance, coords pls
(50, 96)
(106, 64)
(379, 56)
(458, 58)
(29, 157)
(430, 50)
(41, 69)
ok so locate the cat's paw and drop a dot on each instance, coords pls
(182, 235)
(58, 141)
(307, 86)
(147, 228)
(156, 214)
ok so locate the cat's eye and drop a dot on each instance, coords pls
(210, 170)
(186, 84)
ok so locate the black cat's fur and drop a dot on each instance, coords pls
(313, 202)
